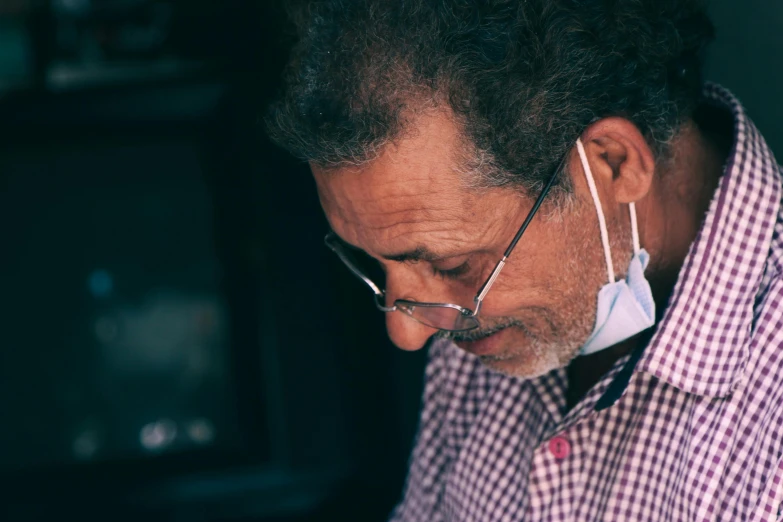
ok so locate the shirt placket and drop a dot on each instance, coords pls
(556, 475)
(556, 480)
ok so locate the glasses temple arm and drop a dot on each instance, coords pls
(328, 240)
(496, 272)
(484, 289)
(535, 208)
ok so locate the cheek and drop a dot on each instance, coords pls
(517, 287)
(550, 275)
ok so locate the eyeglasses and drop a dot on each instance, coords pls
(443, 316)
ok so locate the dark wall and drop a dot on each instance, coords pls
(747, 57)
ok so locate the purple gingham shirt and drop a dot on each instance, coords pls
(689, 429)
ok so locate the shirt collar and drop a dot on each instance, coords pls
(702, 344)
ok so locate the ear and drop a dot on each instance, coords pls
(622, 163)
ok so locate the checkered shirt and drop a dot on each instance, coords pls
(688, 429)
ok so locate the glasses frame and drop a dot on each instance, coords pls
(407, 306)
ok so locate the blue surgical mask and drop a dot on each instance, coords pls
(625, 307)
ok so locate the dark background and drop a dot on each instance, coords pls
(177, 342)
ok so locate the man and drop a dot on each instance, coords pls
(589, 235)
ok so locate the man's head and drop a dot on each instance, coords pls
(430, 127)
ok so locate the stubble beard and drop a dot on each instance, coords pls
(557, 334)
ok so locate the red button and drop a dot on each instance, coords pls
(559, 447)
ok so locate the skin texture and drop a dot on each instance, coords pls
(542, 307)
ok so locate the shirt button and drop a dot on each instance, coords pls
(559, 447)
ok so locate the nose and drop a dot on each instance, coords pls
(406, 332)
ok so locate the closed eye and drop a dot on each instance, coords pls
(452, 273)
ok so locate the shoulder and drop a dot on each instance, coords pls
(763, 373)
(775, 261)
(774, 265)
(456, 383)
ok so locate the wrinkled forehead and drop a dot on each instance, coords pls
(414, 185)
(389, 199)
(417, 195)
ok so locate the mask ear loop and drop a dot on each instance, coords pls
(600, 212)
(634, 229)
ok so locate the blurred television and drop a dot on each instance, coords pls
(177, 342)
(142, 375)
(115, 301)
(151, 364)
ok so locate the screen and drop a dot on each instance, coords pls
(115, 326)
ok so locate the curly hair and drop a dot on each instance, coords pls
(522, 78)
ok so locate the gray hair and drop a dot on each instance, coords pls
(523, 78)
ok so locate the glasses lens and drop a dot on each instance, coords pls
(440, 317)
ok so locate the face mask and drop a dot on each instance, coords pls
(625, 307)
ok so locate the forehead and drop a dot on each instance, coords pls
(413, 192)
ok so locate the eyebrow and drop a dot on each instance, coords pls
(418, 254)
